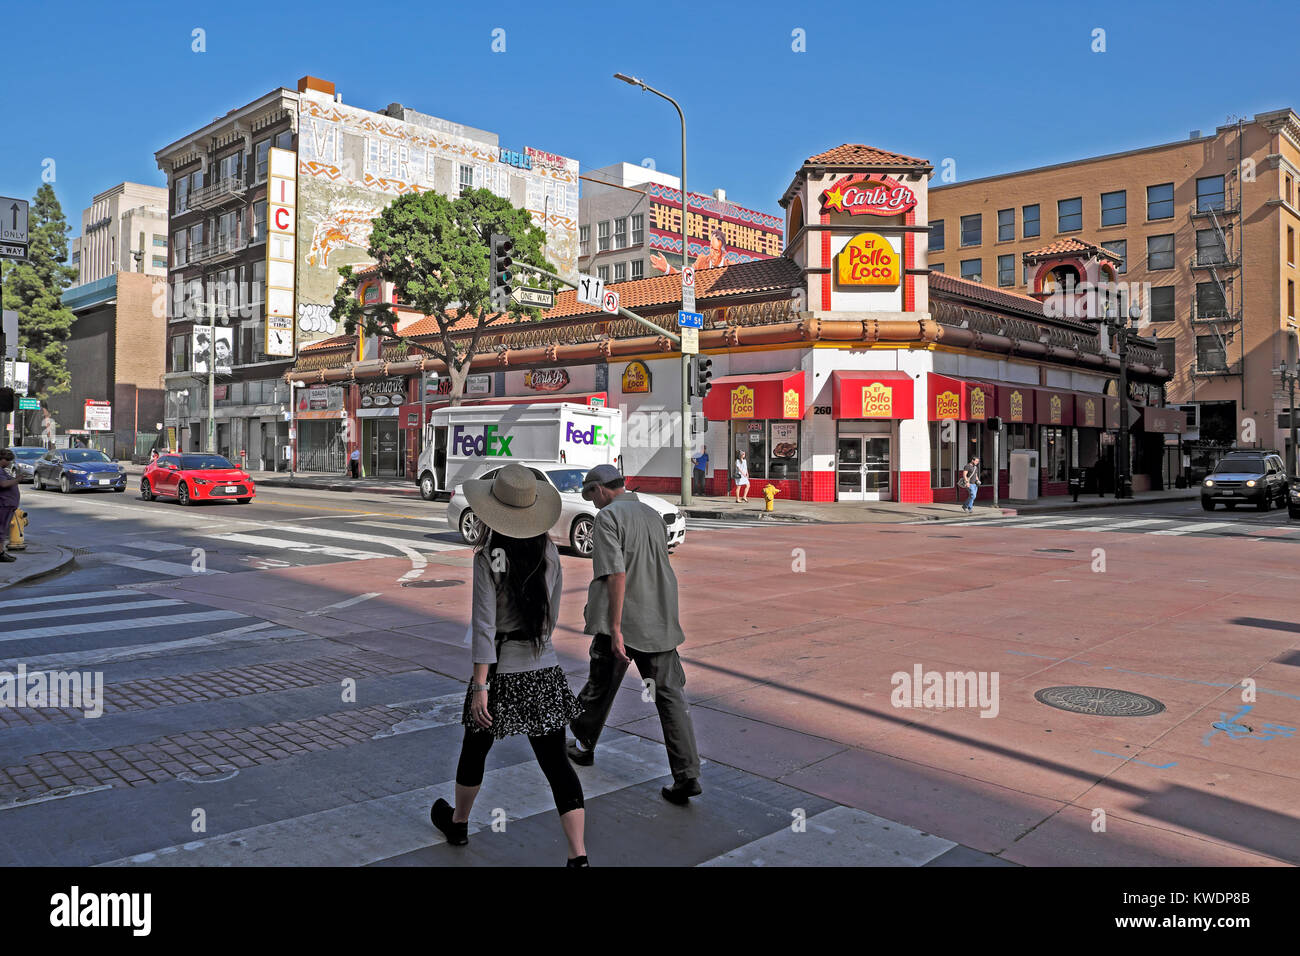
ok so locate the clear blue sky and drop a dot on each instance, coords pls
(996, 87)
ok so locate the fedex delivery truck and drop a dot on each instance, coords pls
(462, 443)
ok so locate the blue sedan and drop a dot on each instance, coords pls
(77, 469)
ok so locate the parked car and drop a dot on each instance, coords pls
(25, 459)
(78, 469)
(191, 478)
(1246, 477)
(1293, 500)
(577, 516)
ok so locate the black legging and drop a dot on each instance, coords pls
(549, 750)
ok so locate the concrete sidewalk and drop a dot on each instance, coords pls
(35, 561)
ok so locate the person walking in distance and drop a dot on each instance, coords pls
(518, 686)
(742, 477)
(631, 614)
(970, 480)
(354, 463)
(701, 471)
(9, 498)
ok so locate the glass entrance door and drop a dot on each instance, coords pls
(862, 467)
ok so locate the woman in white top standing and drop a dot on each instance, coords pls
(518, 686)
(742, 477)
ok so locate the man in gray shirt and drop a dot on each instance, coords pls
(632, 613)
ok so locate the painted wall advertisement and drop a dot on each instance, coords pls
(352, 163)
(203, 349)
(720, 232)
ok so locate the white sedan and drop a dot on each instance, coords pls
(576, 515)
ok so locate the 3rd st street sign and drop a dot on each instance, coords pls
(13, 228)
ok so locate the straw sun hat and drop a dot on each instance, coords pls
(514, 503)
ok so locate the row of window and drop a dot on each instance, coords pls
(1069, 213)
(223, 232)
(240, 290)
(622, 271)
(230, 166)
(617, 239)
(248, 341)
(1210, 250)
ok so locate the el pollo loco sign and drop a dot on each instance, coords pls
(869, 259)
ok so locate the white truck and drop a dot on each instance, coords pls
(461, 443)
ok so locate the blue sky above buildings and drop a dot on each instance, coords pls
(97, 88)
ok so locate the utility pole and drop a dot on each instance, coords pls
(1119, 330)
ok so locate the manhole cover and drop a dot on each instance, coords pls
(1101, 701)
(430, 584)
(1055, 550)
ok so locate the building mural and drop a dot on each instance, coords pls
(353, 162)
(720, 232)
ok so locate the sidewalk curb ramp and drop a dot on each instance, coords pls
(55, 562)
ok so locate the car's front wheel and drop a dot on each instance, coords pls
(183, 494)
(1265, 503)
(1208, 505)
(146, 490)
(471, 528)
(36, 482)
(65, 486)
(427, 488)
(580, 536)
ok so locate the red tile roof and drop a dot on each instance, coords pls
(337, 341)
(856, 154)
(761, 275)
(941, 283)
(1072, 246)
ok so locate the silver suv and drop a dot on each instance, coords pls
(1246, 477)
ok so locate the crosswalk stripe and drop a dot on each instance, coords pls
(1033, 523)
(149, 544)
(420, 544)
(287, 544)
(262, 633)
(63, 630)
(78, 611)
(847, 836)
(63, 598)
(1198, 526)
(386, 827)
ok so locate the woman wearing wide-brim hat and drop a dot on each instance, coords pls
(518, 686)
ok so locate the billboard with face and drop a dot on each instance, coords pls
(204, 348)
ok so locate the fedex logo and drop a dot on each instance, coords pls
(595, 435)
(487, 444)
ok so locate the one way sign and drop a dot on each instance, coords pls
(13, 220)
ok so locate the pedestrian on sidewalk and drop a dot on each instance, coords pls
(701, 470)
(742, 477)
(518, 686)
(354, 463)
(970, 480)
(9, 498)
(631, 614)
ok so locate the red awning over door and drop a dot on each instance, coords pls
(879, 395)
(957, 399)
(767, 395)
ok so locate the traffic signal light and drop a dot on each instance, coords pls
(6, 399)
(703, 373)
(995, 424)
(499, 272)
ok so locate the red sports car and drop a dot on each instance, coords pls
(195, 477)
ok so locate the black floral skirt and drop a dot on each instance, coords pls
(529, 702)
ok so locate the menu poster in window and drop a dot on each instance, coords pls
(785, 440)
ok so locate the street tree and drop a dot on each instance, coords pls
(34, 289)
(434, 250)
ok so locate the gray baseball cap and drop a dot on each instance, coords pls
(600, 475)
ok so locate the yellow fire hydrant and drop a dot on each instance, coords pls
(16, 525)
(770, 493)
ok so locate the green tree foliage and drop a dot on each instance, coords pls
(34, 289)
(435, 252)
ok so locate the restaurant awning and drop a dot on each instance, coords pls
(1015, 403)
(1089, 410)
(958, 399)
(879, 395)
(765, 395)
(1054, 406)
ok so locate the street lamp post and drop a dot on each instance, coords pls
(1119, 329)
(686, 359)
